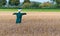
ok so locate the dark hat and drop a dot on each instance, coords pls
(19, 8)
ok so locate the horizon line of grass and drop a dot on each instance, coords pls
(31, 10)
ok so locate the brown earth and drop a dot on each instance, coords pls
(33, 24)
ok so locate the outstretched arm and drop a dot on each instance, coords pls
(14, 13)
(23, 13)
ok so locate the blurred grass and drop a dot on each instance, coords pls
(8, 10)
(30, 10)
(41, 10)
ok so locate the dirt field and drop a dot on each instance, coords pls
(33, 24)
